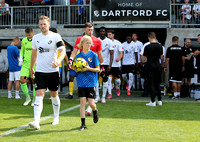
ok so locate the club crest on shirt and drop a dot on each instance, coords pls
(35, 85)
(50, 42)
(106, 45)
(92, 44)
(131, 46)
(89, 59)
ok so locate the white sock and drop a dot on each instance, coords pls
(38, 106)
(9, 93)
(142, 82)
(56, 106)
(97, 89)
(178, 93)
(118, 83)
(105, 88)
(124, 76)
(109, 85)
(130, 81)
(133, 81)
(17, 93)
(175, 94)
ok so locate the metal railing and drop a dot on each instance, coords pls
(59, 16)
(176, 17)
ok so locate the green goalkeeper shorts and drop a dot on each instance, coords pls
(26, 71)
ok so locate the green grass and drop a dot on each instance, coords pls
(127, 120)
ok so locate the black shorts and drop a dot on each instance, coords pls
(116, 72)
(47, 80)
(128, 69)
(175, 76)
(188, 72)
(88, 92)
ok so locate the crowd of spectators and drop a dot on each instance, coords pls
(186, 11)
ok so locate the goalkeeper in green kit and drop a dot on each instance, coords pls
(25, 61)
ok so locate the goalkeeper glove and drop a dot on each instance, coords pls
(70, 62)
(20, 59)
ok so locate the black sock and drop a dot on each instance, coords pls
(94, 112)
(83, 121)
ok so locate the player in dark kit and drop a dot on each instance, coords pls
(176, 59)
(152, 53)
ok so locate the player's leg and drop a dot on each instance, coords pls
(38, 107)
(82, 96)
(24, 74)
(151, 90)
(90, 96)
(53, 83)
(97, 92)
(17, 84)
(130, 82)
(72, 74)
(11, 79)
(40, 87)
(100, 82)
(34, 92)
(109, 87)
(117, 80)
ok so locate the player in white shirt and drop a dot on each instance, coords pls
(196, 9)
(107, 51)
(186, 9)
(116, 64)
(139, 45)
(44, 53)
(130, 59)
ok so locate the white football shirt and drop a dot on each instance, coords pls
(117, 48)
(186, 11)
(197, 7)
(107, 45)
(139, 47)
(46, 51)
(129, 53)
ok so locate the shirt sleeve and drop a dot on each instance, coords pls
(77, 42)
(120, 46)
(111, 45)
(99, 48)
(168, 53)
(22, 49)
(33, 43)
(59, 39)
(145, 51)
(96, 60)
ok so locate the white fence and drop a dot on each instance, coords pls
(59, 15)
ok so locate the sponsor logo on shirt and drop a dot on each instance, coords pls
(50, 42)
(42, 50)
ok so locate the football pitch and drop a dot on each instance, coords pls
(124, 118)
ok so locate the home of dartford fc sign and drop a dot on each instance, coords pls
(131, 10)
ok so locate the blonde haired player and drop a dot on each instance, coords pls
(44, 53)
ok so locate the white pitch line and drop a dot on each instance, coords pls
(43, 119)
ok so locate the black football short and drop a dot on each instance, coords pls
(88, 92)
(116, 72)
(47, 80)
(128, 69)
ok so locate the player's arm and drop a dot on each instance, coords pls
(33, 61)
(111, 59)
(120, 56)
(62, 55)
(166, 63)
(144, 59)
(21, 54)
(88, 68)
(100, 56)
(136, 58)
(183, 63)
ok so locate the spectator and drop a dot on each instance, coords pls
(186, 9)
(3, 70)
(4, 12)
(14, 69)
(47, 2)
(196, 9)
(24, 3)
(81, 12)
(36, 2)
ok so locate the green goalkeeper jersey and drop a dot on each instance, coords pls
(26, 50)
